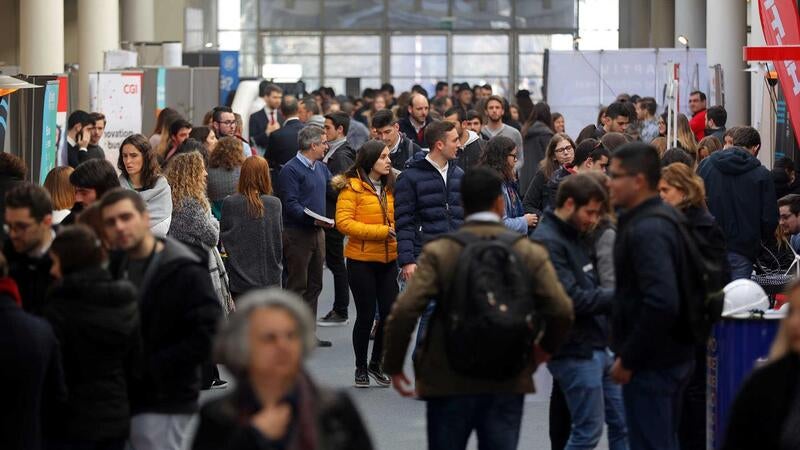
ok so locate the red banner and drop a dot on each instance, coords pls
(781, 25)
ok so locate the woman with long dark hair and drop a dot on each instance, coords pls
(140, 171)
(251, 228)
(560, 151)
(501, 154)
(365, 214)
(536, 134)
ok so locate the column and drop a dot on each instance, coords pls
(724, 47)
(138, 20)
(98, 31)
(662, 23)
(634, 24)
(690, 21)
(41, 36)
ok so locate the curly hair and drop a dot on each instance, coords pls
(187, 179)
(151, 170)
(228, 154)
(495, 156)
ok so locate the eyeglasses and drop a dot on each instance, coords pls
(564, 149)
(16, 227)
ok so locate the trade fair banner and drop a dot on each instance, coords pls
(780, 23)
(3, 121)
(61, 119)
(161, 89)
(118, 95)
(49, 111)
(228, 74)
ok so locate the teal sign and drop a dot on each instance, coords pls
(49, 112)
(161, 89)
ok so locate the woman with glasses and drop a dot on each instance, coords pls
(501, 154)
(560, 152)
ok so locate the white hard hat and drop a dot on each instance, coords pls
(743, 296)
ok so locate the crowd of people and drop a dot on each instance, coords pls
(122, 286)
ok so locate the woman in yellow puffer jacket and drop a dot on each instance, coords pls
(365, 214)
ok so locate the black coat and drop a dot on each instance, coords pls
(257, 126)
(282, 144)
(31, 375)
(470, 155)
(341, 160)
(96, 320)
(534, 143)
(179, 312)
(406, 150)
(224, 423)
(407, 128)
(591, 303)
(649, 330)
(764, 403)
(32, 276)
(75, 156)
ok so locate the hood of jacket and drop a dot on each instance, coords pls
(734, 161)
(158, 199)
(472, 137)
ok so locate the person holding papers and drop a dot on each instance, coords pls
(304, 183)
(365, 214)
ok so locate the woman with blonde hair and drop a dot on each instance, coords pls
(707, 146)
(251, 229)
(560, 151)
(224, 167)
(766, 411)
(686, 139)
(193, 225)
(62, 192)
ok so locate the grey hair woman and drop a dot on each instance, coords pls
(264, 343)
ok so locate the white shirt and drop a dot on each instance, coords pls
(72, 143)
(483, 216)
(442, 169)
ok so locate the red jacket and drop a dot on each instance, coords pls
(698, 125)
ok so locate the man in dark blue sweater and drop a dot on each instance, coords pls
(741, 196)
(304, 183)
(651, 338)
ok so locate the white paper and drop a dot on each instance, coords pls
(318, 217)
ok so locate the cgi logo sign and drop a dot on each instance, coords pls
(776, 34)
(130, 88)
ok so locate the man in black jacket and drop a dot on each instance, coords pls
(418, 118)
(655, 355)
(471, 145)
(741, 196)
(581, 367)
(401, 148)
(282, 144)
(339, 159)
(268, 119)
(79, 135)
(29, 222)
(179, 314)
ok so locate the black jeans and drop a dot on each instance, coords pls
(372, 283)
(334, 259)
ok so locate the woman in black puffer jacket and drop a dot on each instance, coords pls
(96, 321)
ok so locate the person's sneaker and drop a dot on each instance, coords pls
(376, 372)
(374, 330)
(362, 378)
(333, 319)
(219, 384)
(324, 344)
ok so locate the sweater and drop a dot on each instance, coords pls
(194, 226)
(222, 182)
(303, 187)
(254, 246)
(159, 204)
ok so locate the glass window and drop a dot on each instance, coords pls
(244, 41)
(417, 59)
(479, 65)
(338, 84)
(480, 43)
(352, 65)
(419, 66)
(289, 14)
(236, 14)
(354, 14)
(352, 44)
(551, 15)
(404, 84)
(418, 14)
(480, 14)
(291, 45)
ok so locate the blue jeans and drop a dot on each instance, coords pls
(423, 326)
(653, 401)
(495, 417)
(591, 394)
(741, 267)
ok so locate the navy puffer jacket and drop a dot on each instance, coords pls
(424, 207)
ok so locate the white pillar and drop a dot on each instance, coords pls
(724, 46)
(138, 20)
(98, 31)
(41, 36)
(690, 21)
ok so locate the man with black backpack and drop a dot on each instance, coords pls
(501, 311)
(582, 366)
(653, 338)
